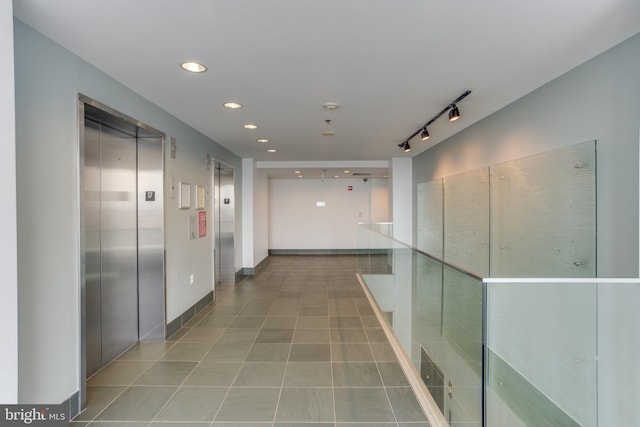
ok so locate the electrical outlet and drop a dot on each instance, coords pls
(192, 278)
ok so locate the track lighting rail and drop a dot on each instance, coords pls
(405, 144)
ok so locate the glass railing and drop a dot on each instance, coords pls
(507, 352)
(434, 312)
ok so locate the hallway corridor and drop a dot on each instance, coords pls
(296, 344)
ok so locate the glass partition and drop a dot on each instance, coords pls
(507, 351)
(562, 352)
(434, 311)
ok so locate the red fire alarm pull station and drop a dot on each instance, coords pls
(350, 188)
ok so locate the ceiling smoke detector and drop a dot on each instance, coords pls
(331, 106)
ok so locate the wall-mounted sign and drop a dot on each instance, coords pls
(227, 201)
(202, 224)
(149, 196)
(350, 188)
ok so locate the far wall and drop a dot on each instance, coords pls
(295, 222)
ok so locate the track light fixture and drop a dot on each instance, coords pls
(454, 114)
(405, 146)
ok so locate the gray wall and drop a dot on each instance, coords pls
(8, 250)
(597, 100)
(48, 80)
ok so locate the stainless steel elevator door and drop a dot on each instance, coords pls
(224, 223)
(111, 266)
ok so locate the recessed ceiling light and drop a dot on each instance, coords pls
(337, 176)
(347, 171)
(297, 172)
(193, 67)
(250, 126)
(262, 140)
(300, 176)
(232, 105)
(271, 150)
(328, 133)
(331, 106)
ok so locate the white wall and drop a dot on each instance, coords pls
(402, 201)
(260, 216)
(248, 171)
(48, 80)
(8, 244)
(295, 222)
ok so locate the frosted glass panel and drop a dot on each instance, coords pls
(542, 347)
(543, 214)
(466, 220)
(429, 211)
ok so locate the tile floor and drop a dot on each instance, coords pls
(296, 344)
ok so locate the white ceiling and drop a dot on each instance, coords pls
(390, 64)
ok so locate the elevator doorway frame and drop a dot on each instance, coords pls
(220, 276)
(82, 101)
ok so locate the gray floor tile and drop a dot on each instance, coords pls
(349, 335)
(137, 404)
(275, 336)
(284, 311)
(351, 352)
(213, 374)
(236, 424)
(193, 404)
(249, 404)
(362, 405)
(383, 352)
(202, 335)
(215, 321)
(118, 424)
(405, 405)
(392, 374)
(356, 374)
(345, 322)
(98, 398)
(311, 336)
(367, 425)
(306, 405)
(176, 424)
(269, 352)
(166, 373)
(313, 322)
(147, 351)
(260, 374)
(187, 351)
(277, 345)
(247, 322)
(308, 374)
(310, 353)
(280, 322)
(370, 321)
(376, 335)
(237, 336)
(314, 311)
(223, 352)
(120, 373)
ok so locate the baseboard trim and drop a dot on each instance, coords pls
(316, 251)
(247, 271)
(74, 404)
(178, 322)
